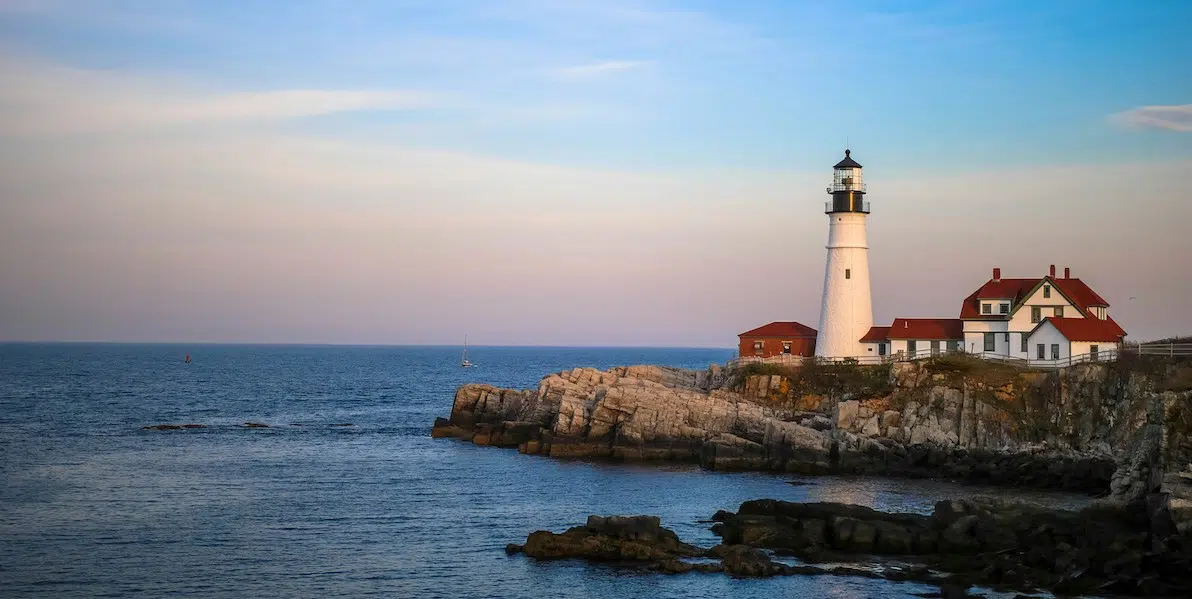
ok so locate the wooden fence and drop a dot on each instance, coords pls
(1104, 355)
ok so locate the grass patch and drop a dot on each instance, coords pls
(1178, 379)
(814, 377)
(958, 368)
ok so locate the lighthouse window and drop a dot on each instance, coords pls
(848, 273)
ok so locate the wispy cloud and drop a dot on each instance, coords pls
(596, 69)
(1176, 117)
(40, 98)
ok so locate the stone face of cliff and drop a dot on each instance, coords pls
(1095, 428)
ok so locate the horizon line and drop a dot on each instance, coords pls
(334, 344)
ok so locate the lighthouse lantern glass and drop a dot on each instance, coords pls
(847, 179)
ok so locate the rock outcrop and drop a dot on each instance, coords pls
(641, 542)
(611, 538)
(1106, 548)
(1103, 548)
(1104, 429)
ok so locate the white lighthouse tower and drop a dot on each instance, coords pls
(847, 311)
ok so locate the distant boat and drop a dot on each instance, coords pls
(463, 361)
(188, 358)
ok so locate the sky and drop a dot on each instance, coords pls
(584, 172)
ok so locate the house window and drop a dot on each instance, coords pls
(786, 347)
(848, 273)
(987, 308)
(910, 347)
(1005, 309)
(1041, 351)
(1036, 314)
(759, 347)
(1093, 351)
(1025, 348)
(1007, 340)
(953, 346)
(990, 342)
(1055, 351)
(881, 349)
(1059, 311)
(935, 348)
(1047, 291)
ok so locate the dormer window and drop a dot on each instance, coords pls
(1005, 309)
(987, 308)
(1046, 291)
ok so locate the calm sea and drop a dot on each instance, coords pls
(91, 505)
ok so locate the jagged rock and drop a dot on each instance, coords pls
(980, 541)
(1088, 428)
(609, 538)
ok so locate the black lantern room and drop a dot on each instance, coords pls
(847, 190)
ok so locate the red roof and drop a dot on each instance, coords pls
(1081, 294)
(876, 334)
(781, 329)
(927, 328)
(1086, 329)
(1016, 290)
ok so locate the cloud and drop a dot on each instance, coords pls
(600, 68)
(1172, 118)
(39, 99)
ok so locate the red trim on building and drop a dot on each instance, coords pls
(876, 335)
(781, 329)
(1086, 329)
(930, 329)
(1018, 290)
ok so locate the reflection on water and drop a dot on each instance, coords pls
(90, 504)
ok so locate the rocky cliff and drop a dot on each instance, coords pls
(1102, 428)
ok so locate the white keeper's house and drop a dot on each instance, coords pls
(1036, 319)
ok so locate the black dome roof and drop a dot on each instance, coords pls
(848, 162)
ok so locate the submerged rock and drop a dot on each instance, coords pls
(172, 427)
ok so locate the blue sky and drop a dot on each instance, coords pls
(685, 84)
(464, 129)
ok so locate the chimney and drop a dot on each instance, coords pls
(1053, 271)
(997, 275)
(1067, 273)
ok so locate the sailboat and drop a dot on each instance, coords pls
(463, 361)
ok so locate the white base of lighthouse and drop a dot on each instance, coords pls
(847, 310)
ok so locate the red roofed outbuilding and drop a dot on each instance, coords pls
(915, 336)
(784, 337)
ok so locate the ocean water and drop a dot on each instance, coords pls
(92, 505)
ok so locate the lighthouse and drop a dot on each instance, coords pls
(846, 313)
